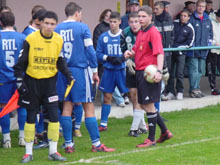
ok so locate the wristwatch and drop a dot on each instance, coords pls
(160, 71)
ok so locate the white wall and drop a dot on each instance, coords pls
(91, 9)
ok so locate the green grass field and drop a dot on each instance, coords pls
(196, 141)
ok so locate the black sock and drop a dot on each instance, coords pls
(161, 123)
(45, 138)
(152, 121)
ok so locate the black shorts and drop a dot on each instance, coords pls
(147, 92)
(130, 80)
(40, 92)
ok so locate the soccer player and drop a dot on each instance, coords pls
(35, 22)
(109, 53)
(148, 50)
(36, 73)
(80, 54)
(11, 44)
(127, 40)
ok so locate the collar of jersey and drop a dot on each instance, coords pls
(33, 28)
(72, 20)
(5, 30)
(114, 35)
(148, 27)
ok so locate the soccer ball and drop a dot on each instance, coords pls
(149, 73)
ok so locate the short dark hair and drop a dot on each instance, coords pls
(71, 8)
(115, 15)
(147, 9)
(102, 16)
(36, 8)
(50, 14)
(185, 11)
(5, 8)
(132, 15)
(7, 19)
(39, 14)
(160, 4)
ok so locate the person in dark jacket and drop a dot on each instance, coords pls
(184, 38)
(133, 6)
(164, 25)
(203, 37)
(103, 26)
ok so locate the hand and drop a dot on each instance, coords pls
(21, 86)
(131, 66)
(128, 54)
(69, 79)
(116, 60)
(95, 78)
(165, 75)
(157, 77)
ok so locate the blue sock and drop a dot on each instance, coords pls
(106, 108)
(5, 123)
(40, 125)
(92, 127)
(157, 106)
(78, 109)
(66, 122)
(22, 115)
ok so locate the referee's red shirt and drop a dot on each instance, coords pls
(144, 53)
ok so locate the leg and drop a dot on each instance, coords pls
(66, 122)
(5, 124)
(118, 98)
(92, 127)
(106, 108)
(22, 115)
(78, 110)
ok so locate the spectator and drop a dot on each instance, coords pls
(184, 38)
(133, 7)
(213, 58)
(209, 6)
(164, 24)
(190, 6)
(203, 37)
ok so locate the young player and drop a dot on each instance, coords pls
(11, 44)
(109, 53)
(128, 37)
(36, 73)
(80, 54)
(148, 50)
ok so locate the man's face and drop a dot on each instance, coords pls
(114, 24)
(191, 7)
(134, 24)
(144, 19)
(107, 17)
(48, 25)
(200, 8)
(133, 8)
(36, 23)
(184, 17)
(158, 10)
(209, 6)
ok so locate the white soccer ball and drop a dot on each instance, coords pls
(149, 73)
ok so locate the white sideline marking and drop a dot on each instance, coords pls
(92, 160)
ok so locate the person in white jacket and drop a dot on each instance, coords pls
(213, 58)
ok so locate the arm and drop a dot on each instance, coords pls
(62, 67)
(96, 35)
(22, 63)
(123, 44)
(158, 75)
(91, 54)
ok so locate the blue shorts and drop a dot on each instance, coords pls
(6, 91)
(82, 88)
(111, 79)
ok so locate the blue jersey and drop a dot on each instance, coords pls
(77, 47)
(28, 30)
(10, 46)
(109, 45)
